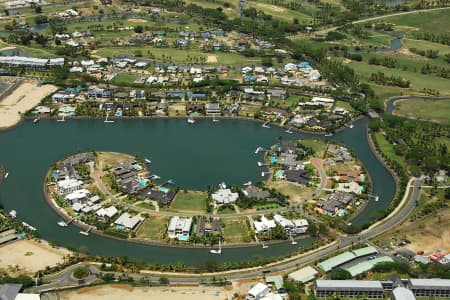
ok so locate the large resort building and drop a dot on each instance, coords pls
(349, 288)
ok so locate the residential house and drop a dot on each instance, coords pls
(179, 228)
(224, 196)
(128, 221)
(298, 176)
(212, 108)
(263, 225)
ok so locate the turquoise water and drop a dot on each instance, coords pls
(194, 156)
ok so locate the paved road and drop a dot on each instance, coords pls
(398, 216)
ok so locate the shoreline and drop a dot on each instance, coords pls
(85, 227)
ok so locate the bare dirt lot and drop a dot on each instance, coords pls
(119, 292)
(211, 59)
(30, 256)
(22, 99)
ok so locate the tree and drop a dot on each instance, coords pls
(138, 29)
(81, 272)
(163, 280)
(340, 274)
(38, 9)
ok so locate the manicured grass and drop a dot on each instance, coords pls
(267, 206)
(345, 105)
(281, 13)
(318, 147)
(235, 230)
(226, 210)
(388, 149)
(153, 228)
(124, 79)
(178, 55)
(431, 21)
(424, 109)
(147, 206)
(295, 192)
(189, 201)
(177, 110)
(418, 81)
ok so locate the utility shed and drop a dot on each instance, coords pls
(335, 261)
(304, 275)
(369, 250)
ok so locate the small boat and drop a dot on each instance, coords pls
(170, 181)
(264, 246)
(147, 161)
(258, 150)
(84, 233)
(214, 119)
(36, 120)
(266, 124)
(190, 120)
(289, 130)
(61, 120)
(12, 214)
(329, 134)
(106, 119)
(377, 198)
(62, 224)
(216, 251)
(222, 185)
(263, 174)
(248, 183)
(154, 177)
(349, 125)
(6, 175)
(28, 226)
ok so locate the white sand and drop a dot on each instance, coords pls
(120, 292)
(23, 98)
(30, 256)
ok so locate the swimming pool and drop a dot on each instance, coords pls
(274, 159)
(143, 182)
(183, 238)
(164, 190)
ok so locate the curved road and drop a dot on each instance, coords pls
(64, 278)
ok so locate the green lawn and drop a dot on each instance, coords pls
(189, 201)
(179, 56)
(388, 149)
(147, 206)
(226, 210)
(123, 79)
(424, 109)
(437, 21)
(418, 81)
(318, 147)
(153, 228)
(235, 230)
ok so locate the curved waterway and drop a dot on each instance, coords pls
(194, 156)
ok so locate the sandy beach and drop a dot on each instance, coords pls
(22, 99)
(119, 292)
(30, 256)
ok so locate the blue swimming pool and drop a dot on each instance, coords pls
(274, 159)
(164, 190)
(143, 182)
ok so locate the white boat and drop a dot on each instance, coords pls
(28, 226)
(266, 124)
(61, 120)
(154, 177)
(84, 233)
(62, 224)
(106, 119)
(214, 119)
(147, 161)
(289, 130)
(248, 183)
(222, 185)
(12, 214)
(6, 175)
(170, 181)
(349, 125)
(264, 246)
(36, 120)
(258, 149)
(216, 251)
(329, 134)
(190, 120)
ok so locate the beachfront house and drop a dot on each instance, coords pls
(108, 212)
(129, 222)
(68, 186)
(224, 196)
(179, 228)
(263, 225)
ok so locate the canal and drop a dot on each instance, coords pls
(193, 156)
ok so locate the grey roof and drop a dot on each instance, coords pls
(434, 283)
(9, 291)
(401, 293)
(337, 285)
